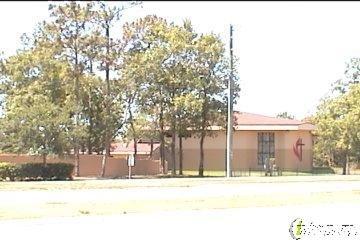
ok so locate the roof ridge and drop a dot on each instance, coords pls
(261, 119)
(262, 115)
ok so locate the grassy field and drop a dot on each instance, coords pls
(118, 206)
(86, 197)
(143, 181)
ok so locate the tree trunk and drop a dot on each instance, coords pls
(173, 154)
(134, 137)
(108, 132)
(151, 147)
(89, 145)
(91, 123)
(201, 165)
(104, 159)
(83, 149)
(180, 156)
(44, 158)
(135, 149)
(346, 169)
(173, 132)
(162, 151)
(345, 165)
(77, 157)
(203, 134)
(44, 170)
(77, 98)
(107, 101)
(103, 165)
(162, 139)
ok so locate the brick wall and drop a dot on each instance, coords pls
(90, 165)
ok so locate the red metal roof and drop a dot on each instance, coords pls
(142, 147)
(244, 118)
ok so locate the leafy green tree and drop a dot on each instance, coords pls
(285, 115)
(105, 18)
(141, 71)
(178, 46)
(351, 76)
(211, 73)
(337, 134)
(37, 107)
(160, 79)
(36, 126)
(93, 113)
(186, 107)
(68, 30)
(174, 69)
(338, 137)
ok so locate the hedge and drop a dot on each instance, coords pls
(323, 170)
(8, 170)
(36, 171)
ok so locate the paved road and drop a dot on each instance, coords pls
(246, 223)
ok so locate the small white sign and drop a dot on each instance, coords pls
(131, 160)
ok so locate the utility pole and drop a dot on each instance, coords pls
(229, 137)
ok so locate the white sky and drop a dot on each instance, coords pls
(290, 52)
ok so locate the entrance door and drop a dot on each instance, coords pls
(266, 147)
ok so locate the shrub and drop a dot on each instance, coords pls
(8, 171)
(36, 171)
(323, 170)
(59, 171)
(50, 171)
(32, 171)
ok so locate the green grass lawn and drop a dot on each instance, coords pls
(143, 181)
(118, 206)
(339, 170)
(121, 205)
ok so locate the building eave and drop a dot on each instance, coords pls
(266, 127)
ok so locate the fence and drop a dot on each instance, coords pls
(295, 172)
(90, 165)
